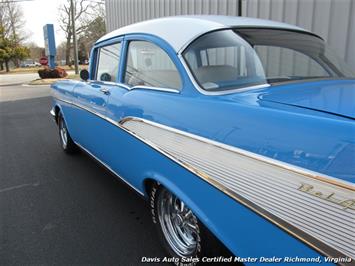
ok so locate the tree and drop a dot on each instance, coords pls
(61, 53)
(93, 31)
(15, 20)
(11, 34)
(10, 50)
(65, 22)
(36, 52)
(83, 53)
(5, 50)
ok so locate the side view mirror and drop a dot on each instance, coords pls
(84, 74)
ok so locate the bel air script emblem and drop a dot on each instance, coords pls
(346, 204)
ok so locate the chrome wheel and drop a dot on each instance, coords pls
(65, 139)
(63, 133)
(179, 224)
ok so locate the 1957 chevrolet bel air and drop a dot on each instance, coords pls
(237, 128)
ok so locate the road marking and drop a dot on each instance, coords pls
(11, 84)
(18, 187)
(48, 226)
(35, 85)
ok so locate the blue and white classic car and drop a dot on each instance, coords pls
(238, 131)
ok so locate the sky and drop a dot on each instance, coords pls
(37, 13)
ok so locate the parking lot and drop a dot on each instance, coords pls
(60, 209)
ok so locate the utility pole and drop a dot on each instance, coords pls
(74, 37)
(240, 8)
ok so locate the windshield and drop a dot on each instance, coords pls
(233, 59)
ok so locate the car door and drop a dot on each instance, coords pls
(151, 83)
(91, 98)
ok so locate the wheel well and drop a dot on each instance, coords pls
(218, 248)
(148, 184)
(56, 111)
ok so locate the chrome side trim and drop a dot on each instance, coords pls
(89, 110)
(252, 195)
(154, 89)
(128, 88)
(204, 92)
(110, 83)
(290, 167)
(302, 171)
(109, 168)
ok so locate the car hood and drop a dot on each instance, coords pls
(336, 97)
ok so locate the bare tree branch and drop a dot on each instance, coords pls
(81, 10)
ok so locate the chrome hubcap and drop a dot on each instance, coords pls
(63, 133)
(179, 224)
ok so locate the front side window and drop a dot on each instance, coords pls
(108, 61)
(149, 65)
(233, 59)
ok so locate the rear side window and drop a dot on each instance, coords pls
(108, 61)
(149, 65)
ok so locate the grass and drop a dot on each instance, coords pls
(21, 70)
(73, 76)
(35, 69)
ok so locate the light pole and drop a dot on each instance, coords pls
(74, 37)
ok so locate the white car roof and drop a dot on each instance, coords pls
(179, 31)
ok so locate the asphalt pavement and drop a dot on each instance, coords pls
(22, 91)
(14, 87)
(57, 209)
(20, 78)
(17, 79)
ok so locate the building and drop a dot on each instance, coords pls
(333, 20)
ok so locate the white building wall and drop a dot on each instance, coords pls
(124, 12)
(334, 20)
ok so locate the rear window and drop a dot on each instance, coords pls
(233, 59)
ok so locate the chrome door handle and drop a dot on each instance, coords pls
(105, 91)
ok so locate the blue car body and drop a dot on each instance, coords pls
(299, 130)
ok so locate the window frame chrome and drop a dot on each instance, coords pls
(128, 88)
